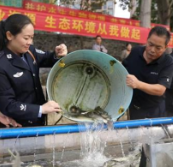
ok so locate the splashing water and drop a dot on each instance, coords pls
(130, 138)
(121, 143)
(35, 148)
(16, 158)
(14, 147)
(110, 125)
(53, 150)
(92, 147)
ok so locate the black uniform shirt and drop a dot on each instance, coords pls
(159, 71)
(20, 90)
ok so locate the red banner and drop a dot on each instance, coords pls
(79, 26)
(54, 9)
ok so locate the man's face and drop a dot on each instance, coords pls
(155, 47)
(99, 40)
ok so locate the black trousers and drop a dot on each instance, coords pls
(137, 112)
(169, 102)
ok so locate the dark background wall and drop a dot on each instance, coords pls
(73, 42)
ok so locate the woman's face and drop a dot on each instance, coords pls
(21, 42)
(98, 40)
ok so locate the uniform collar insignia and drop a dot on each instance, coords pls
(9, 56)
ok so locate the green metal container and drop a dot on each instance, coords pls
(89, 79)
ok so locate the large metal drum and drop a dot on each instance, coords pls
(89, 79)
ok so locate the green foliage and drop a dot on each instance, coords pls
(154, 11)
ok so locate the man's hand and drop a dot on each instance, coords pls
(50, 107)
(132, 81)
(7, 121)
(151, 89)
(61, 50)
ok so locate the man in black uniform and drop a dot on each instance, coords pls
(169, 94)
(21, 95)
(150, 73)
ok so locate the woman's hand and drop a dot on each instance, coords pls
(7, 121)
(61, 50)
(50, 107)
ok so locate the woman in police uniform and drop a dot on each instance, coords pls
(21, 95)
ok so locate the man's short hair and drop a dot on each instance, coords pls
(160, 31)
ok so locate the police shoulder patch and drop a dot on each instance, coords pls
(39, 51)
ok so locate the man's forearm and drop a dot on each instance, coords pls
(152, 89)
